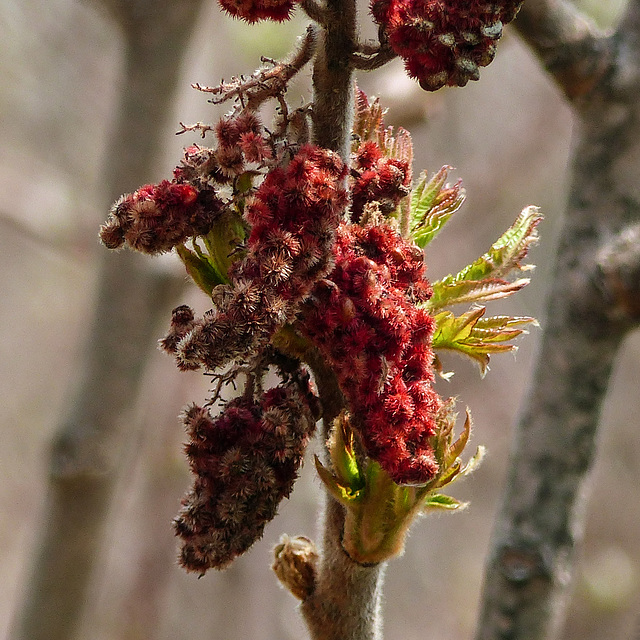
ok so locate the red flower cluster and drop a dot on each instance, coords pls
(242, 140)
(378, 179)
(293, 216)
(156, 218)
(364, 320)
(443, 42)
(255, 10)
(245, 462)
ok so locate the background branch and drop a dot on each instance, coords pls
(93, 436)
(569, 45)
(540, 522)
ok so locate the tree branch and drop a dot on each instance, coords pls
(333, 78)
(571, 48)
(93, 435)
(591, 307)
(344, 603)
(316, 10)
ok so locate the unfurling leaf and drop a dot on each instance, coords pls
(432, 204)
(379, 511)
(341, 449)
(484, 279)
(440, 501)
(368, 124)
(475, 336)
(472, 291)
(201, 271)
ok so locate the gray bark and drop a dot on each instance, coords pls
(92, 437)
(593, 303)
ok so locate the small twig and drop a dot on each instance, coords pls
(367, 48)
(198, 126)
(222, 380)
(266, 83)
(333, 78)
(369, 58)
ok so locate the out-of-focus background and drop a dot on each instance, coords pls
(508, 136)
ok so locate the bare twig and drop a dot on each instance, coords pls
(370, 58)
(198, 126)
(268, 82)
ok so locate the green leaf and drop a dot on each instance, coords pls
(201, 271)
(451, 329)
(244, 181)
(448, 292)
(441, 501)
(432, 204)
(505, 254)
(484, 279)
(456, 449)
(223, 240)
(502, 322)
(474, 462)
(342, 454)
(342, 494)
(476, 337)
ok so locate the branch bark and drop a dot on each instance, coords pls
(92, 437)
(570, 47)
(344, 603)
(592, 305)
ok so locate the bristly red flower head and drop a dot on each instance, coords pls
(444, 42)
(156, 218)
(364, 320)
(377, 180)
(255, 10)
(245, 462)
(293, 216)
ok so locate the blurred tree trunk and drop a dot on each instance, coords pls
(593, 303)
(98, 425)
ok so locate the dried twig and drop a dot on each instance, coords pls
(198, 126)
(265, 83)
